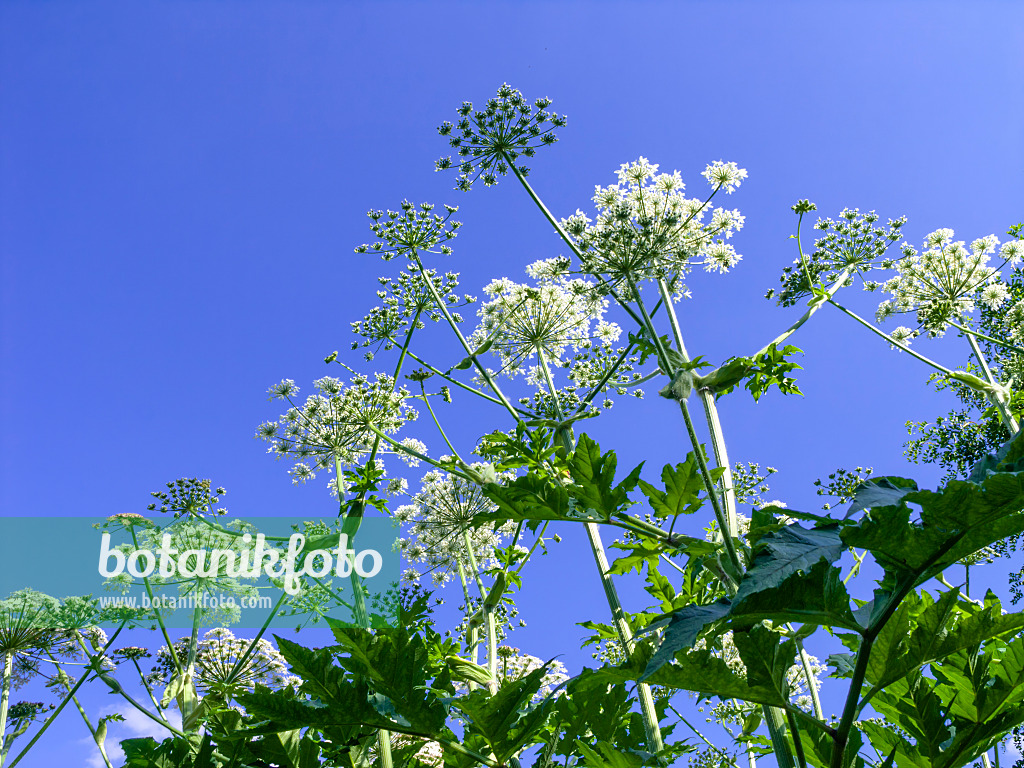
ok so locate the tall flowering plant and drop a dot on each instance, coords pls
(737, 605)
(926, 673)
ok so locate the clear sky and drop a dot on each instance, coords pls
(182, 185)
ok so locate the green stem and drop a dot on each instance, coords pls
(421, 456)
(92, 732)
(605, 378)
(64, 702)
(484, 373)
(565, 236)
(809, 676)
(972, 332)
(776, 721)
(816, 303)
(455, 746)
(698, 449)
(540, 538)
(859, 559)
(444, 436)
(624, 631)
(871, 327)
(452, 380)
(146, 685)
(492, 630)
(726, 519)
(842, 734)
(5, 701)
(800, 250)
(798, 745)
(472, 631)
(236, 668)
(1004, 412)
(707, 397)
(156, 612)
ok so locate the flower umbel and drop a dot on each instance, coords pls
(441, 513)
(556, 314)
(942, 283)
(333, 426)
(647, 228)
(217, 668)
(488, 141)
(851, 244)
(413, 229)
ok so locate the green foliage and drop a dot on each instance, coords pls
(761, 372)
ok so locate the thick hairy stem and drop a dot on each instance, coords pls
(805, 661)
(1005, 415)
(707, 399)
(813, 306)
(625, 633)
(492, 629)
(842, 734)
(776, 721)
(5, 700)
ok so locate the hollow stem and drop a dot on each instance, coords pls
(996, 399)
(707, 398)
(816, 303)
(5, 700)
(972, 332)
(489, 620)
(624, 631)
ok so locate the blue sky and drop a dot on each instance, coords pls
(182, 185)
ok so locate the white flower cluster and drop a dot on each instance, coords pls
(333, 425)
(646, 228)
(220, 666)
(513, 665)
(440, 519)
(552, 316)
(944, 282)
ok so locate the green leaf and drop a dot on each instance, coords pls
(786, 552)
(593, 474)
(815, 597)
(955, 522)
(506, 720)
(684, 626)
(1009, 458)
(530, 497)
(396, 663)
(943, 627)
(605, 755)
(767, 657)
(683, 486)
(590, 708)
(696, 670)
(880, 492)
